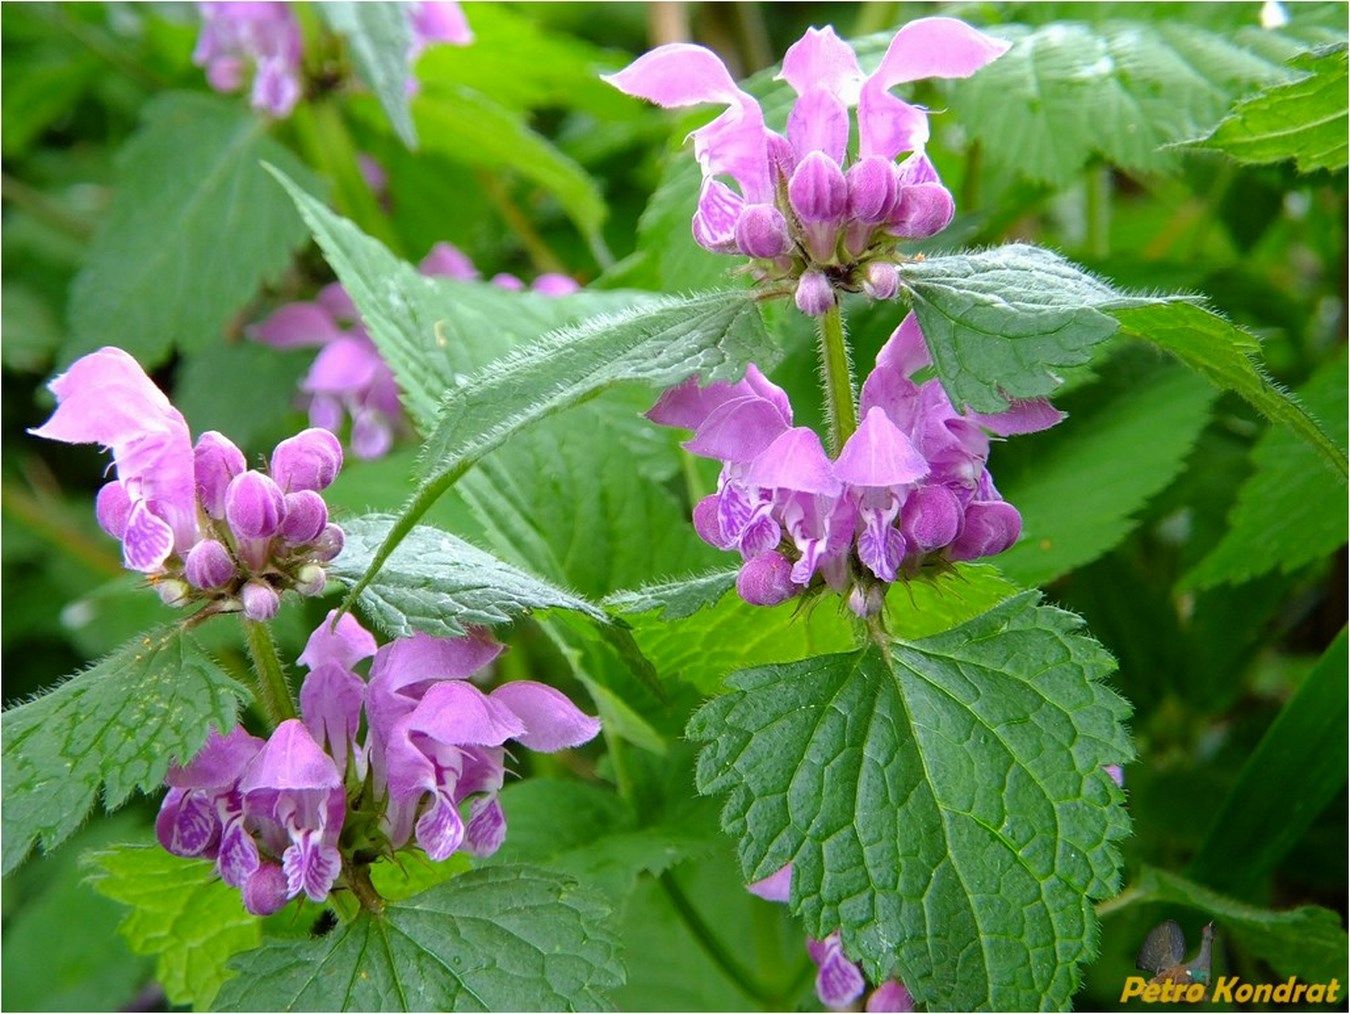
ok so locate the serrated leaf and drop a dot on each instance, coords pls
(1079, 486)
(117, 724)
(1291, 511)
(1303, 120)
(504, 938)
(221, 229)
(942, 801)
(380, 39)
(435, 332)
(439, 584)
(1067, 91)
(1307, 941)
(1258, 822)
(661, 343)
(182, 914)
(676, 599)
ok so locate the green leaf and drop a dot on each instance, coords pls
(1080, 486)
(119, 723)
(1291, 511)
(1307, 941)
(592, 835)
(1304, 120)
(1067, 91)
(439, 584)
(1000, 322)
(504, 938)
(942, 801)
(676, 599)
(182, 914)
(467, 126)
(1261, 819)
(434, 332)
(380, 39)
(221, 229)
(251, 413)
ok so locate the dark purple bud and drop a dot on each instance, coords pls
(309, 460)
(329, 543)
(815, 297)
(872, 190)
(311, 580)
(766, 580)
(260, 602)
(254, 506)
(173, 592)
(216, 461)
(266, 890)
(761, 231)
(990, 527)
(881, 280)
(924, 210)
(209, 565)
(306, 516)
(818, 191)
(112, 507)
(931, 517)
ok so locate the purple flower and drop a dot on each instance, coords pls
(908, 490)
(106, 398)
(846, 216)
(434, 21)
(265, 37)
(436, 740)
(332, 696)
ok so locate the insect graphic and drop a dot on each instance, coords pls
(1164, 951)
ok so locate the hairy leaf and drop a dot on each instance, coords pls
(942, 801)
(439, 584)
(1305, 120)
(504, 938)
(1123, 89)
(1292, 509)
(182, 914)
(1080, 485)
(220, 229)
(119, 724)
(380, 38)
(676, 599)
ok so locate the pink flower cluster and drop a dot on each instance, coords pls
(803, 210)
(196, 518)
(349, 377)
(909, 489)
(272, 814)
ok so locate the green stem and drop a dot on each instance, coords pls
(273, 693)
(541, 254)
(1124, 899)
(43, 208)
(837, 376)
(1098, 212)
(713, 947)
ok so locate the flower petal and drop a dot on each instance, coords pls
(457, 713)
(774, 887)
(821, 60)
(738, 430)
(879, 454)
(937, 47)
(343, 644)
(290, 760)
(296, 325)
(795, 461)
(679, 74)
(1029, 416)
(549, 718)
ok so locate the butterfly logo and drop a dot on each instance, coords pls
(1164, 951)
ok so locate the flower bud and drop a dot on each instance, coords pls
(306, 515)
(509, 282)
(872, 190)
(924, 210)
(216, 461)
(866, 601)
(266, 891)
(989, 528)
(173, 592)
(209, 565)
(714, 224)
(311, 580)
(818, 191)
(309, 460)
(254, 506)
(260, 602)
(761, 231)
(112, 507)
(930, 518)
(552, 283)
(766, 580)
(881, 280)
(329, 543)
(814, 294)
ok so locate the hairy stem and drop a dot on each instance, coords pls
(358, 879)
(714, 948)
(272, 691)
(837, 376)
